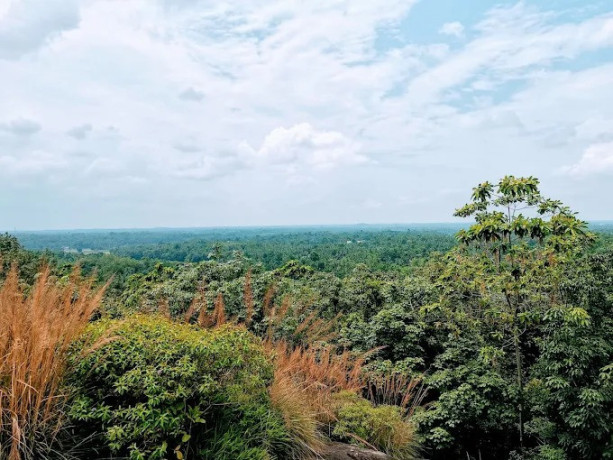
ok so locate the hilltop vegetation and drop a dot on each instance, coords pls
(497, 346)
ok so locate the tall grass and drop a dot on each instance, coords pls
(397, 390)
(35, 333)
(308, 372)
(305, 383)
(312, 377)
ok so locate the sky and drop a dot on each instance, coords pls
(181, 113)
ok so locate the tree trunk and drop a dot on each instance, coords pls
(518, 370)
(520, 408)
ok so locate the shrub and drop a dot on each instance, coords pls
(382, 427)
(168, 390)
(35, 334)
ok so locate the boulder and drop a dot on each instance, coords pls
(339, 451)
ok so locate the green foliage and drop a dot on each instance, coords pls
(331, 249)
(572, 389)
(499, 212)
(11, 252)
(472, 406)
(380, 426)
(512, 331)
(165, 390)
(502, 286)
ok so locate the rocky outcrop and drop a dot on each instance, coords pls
(338, 451)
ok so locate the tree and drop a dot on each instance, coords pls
(13, 253)
(521, 238)
(571, 385)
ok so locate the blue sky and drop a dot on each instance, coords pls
(145, 113)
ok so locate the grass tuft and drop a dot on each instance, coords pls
(35, 333)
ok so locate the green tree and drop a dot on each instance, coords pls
(13, 253)
(520, 239)
(571, 389)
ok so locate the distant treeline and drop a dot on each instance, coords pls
(113, 239)
(331, 249)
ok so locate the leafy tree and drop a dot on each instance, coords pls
(571, 389)
(524, 248)
(11, 252)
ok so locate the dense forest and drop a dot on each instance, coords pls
(490, 340)
(332, 249)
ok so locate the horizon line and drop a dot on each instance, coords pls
(267, 226)
(224, 227)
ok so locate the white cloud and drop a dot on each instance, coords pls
(596, 159)
(187, 146)
(206, 167)
(370, 203)
(35, 163)
(303, 144)
(105, 167)
(26, 25)
(595, 128)
(313, 90)
(454, 29)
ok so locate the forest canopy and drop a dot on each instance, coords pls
(492, 339)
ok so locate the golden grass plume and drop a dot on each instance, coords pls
(36, 331)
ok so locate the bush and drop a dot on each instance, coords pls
(382, 427)
(168, 390)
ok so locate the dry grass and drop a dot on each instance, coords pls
(397, 390)
(303, 389)
(307, 376)
(301, 419)
(35, 333)
(310, 374)
(318, 374)
(219, 312)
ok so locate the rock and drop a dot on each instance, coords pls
(339, 451)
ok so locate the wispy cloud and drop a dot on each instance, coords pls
(242, 98)
(596, 159)
(512, 44)
(455, 29)
(26, 25)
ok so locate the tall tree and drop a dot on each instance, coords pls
(521, 238)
